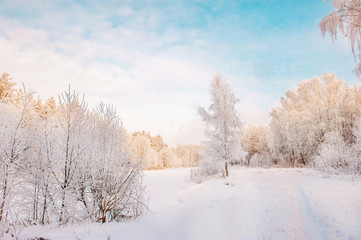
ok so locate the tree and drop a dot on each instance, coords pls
(189, 155)
(7, 91)
(333, 152)
(140, 146)
(72, 143)
(255, 141)
(354, 156)
(15, 142)
(168, 159)
(63, 163)
(157, 143)
(115, 178)
(345, 20)
(223, 128)
(306, 117)
(43, 163)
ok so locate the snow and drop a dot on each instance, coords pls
(250, 204)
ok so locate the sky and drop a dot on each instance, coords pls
(154, 60)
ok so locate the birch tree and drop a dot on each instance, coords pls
(223, 128)
(44, 164)
(15, 142)
(345, 20)
(115, 177)
(72, 143)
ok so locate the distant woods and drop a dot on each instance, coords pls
(156, 154)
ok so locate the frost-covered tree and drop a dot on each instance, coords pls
(7, 91)
(169, 159)
(354, 160)
(189, 155)
(114, 178)
(301, 124)
(346, 21)
(141, 149)
(157, 143)
(333, 152)
(72, 144)
(223, 129)
(255, 141)
(44, 164)
(63, 163)
(15, 142)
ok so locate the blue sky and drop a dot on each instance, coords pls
(154, 59)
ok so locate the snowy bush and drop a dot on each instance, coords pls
(354, 160)
(332, 153)
(205, 170)
(336, 155)
(261, 160)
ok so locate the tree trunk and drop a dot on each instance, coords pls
(61, 217)
(36, 203)
(4, 197)
(44, 211)
(226, 168)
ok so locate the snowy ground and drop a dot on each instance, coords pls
(250, 204)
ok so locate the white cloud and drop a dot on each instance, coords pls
(191, 131)
(151, 92)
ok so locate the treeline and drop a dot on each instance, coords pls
(156, 154)
(316, 125)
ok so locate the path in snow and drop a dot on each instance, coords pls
(250, 204)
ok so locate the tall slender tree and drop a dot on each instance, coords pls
(15, 142)
(74, 121)
(223, 127)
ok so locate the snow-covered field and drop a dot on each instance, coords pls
(250, 204)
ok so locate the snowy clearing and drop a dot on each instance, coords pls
(250, 204)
